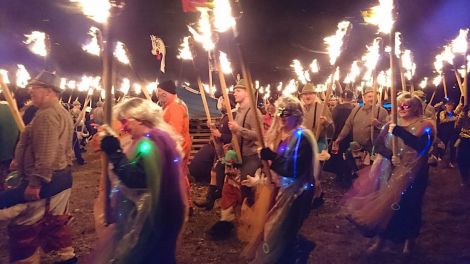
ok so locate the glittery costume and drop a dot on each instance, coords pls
(294, 165)
(386, 200)
(149, 203)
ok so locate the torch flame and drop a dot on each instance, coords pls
(137, 88)
(335, 42)
(223, 19)
(225, 65)
(371, 58)
(448, 55)
(381, 16)
(353, 74)
(120, 53)
(424, 83)
(314, 67)
(398, 44)
(125, 86)
(290, 88)
(204, 33)
(460, 44)
(4, 75)
(63, 83)
(22, 76)
(408, 64)
(437, 80)
(302, 75)
(36, 42)
(92, 46)
(185, 51)
(97, 10)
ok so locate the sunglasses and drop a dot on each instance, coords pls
(404, 107)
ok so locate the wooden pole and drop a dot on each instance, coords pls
(107, 57)
(12, 105)
(465, 80)
(374, 105)
(402, 75)
(329, 91)
(444, 85)
(223, 87)
(393, 91)
(432, 97)
(459, 82)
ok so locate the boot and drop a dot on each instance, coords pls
(220, 230)
(213, 193)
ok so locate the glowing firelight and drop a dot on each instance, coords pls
(437, 80)
(408, 64)
(398, 44)
(223, 19)
(92, 46)
(447, 55)
(371, 58)
(290, 88)
(185, 51)
(353, 74)
(225, 65)
(314, 67)
(381, 16)
(302, 75)
(63, 83)
(97, 10)
(125, 86)
(137, 88)
(424, 83)
(335, 42)
(4, 75)
(22, 76)
(120, 53)
(203, 34)
(36, 42)
(460, 44)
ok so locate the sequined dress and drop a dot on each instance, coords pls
(294, 169)
(390, 203)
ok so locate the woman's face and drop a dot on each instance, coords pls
(289, 122)
(132, 126)
(404, 110)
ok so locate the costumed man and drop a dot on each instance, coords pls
(244, 127)
(75, 111)
(340, 114)
(175, 113)
(38, 208)
(359, 124)
(97, 114)
(463, 145)
(270, 112)
(317, 116)
(447, 132)
(8, 137)
(148, 198)
(231, 198)
(208, 160)
(293, 156)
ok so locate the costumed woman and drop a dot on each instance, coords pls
(292, 153)
(149, 203)
(386, 200)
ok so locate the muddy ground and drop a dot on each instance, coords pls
(326, 236)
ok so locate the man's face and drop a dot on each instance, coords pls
(40, 94)
(308, 98)
(240, 95)
(449, 107)
(369, 98)
(162, 95)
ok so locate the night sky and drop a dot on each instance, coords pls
(273, 33)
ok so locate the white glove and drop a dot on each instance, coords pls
(391, 126)
(251, 181)
(395, 161)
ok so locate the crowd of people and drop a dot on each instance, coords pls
(266, 183)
